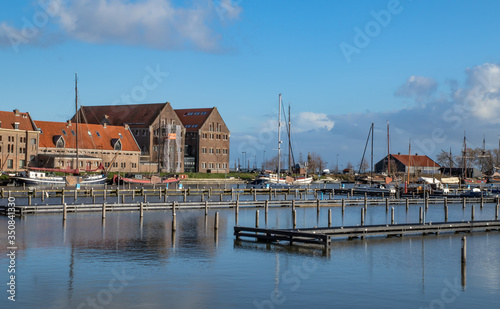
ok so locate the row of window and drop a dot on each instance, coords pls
(213, 165)
(214, 136)
(22, 139)
(195, 114)
(217, 150)
(10, 163)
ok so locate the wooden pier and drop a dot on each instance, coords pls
(324, 236)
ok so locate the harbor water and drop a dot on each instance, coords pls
(128, 262)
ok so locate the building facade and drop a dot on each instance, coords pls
(111, 147)
(156, 128)
(206, 142)
(18, 141)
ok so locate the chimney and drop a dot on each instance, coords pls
(69, 123)
(104, 125)
(399, 153)
(16, 112)
(126, 126)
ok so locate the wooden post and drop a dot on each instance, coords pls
(3, 193)
(133, 194)
(386, 204)
(362, 216)
(266, 206)
(29, 200)
(464, 200)
(296, 193)
(496, 212)
(93, 199)
(329, 217)
(407, 204)
(294, 218)
(103, 211)
(293, 205)
(43, 196)
(62, 196)
(392, 215)
(123, 198)
(482, 201)
(216, 223)
(202, 196)
(317, 205)
(145, 197)
(165, 196)
(105, 192)
(76, 194)
(174, 221)
(206, 208)
(159, 193)
(445, 201)
(445, 213)
(221, 197)
(426, 202)
(236, 212)
(141, 210)
(464, 250)
(64, 211)
(421, 216)
(209, 193)
(185, 195)
(472, 212)
(173, 207)
(257, 218)
(343, 206)
(366, 202)
(255, 195)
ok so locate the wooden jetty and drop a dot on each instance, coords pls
(324, 236)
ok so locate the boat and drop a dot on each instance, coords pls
(138, 179)
(38, 176)
(266, 184)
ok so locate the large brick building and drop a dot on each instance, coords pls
(18, 141)
(112, 146)
(156, 128)
(207, 140)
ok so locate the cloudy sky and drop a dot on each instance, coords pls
(432, 69)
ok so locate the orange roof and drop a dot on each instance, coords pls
(103, 138)
(136, 115)
(193, 118)
(9, 118)
(423, 161)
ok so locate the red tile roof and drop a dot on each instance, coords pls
(9, 118)
(193, 118)
(136, 115)
(422, 161)
(103, 141)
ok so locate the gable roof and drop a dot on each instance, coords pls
(9, 118)
(101, 139)
(416, 160)
(135, 115)
(193, 118)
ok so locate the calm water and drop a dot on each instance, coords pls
(129, 263)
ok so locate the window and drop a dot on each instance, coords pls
(73, 132)
(97, 133)
(120, 135)
(188, 126)
(106, 164)
(203, 165)
(217, 151)
(210, 150)
(195, 125)
(203, 113)
(197, 113)
(123, 165)
(0, 138)
(40, 130)
(90, 134)
(10, 163)
(22, 163)
(32, 158)
(143, 132)
(210, 165)
(64, 132)
(224, 151)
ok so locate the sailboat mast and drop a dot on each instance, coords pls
(388, 152)
(289, 143)
(371, 160)
(77, 121)
(279, 139)
(465, 156)
(409, 160)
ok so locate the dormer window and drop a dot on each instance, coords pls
(59, 141)
(16, 125)
(116, 144)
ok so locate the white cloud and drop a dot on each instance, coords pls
(419, 87)
(482, 95)
(307, 121)
(154, 23)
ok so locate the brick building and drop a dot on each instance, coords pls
(414, 164)
(18, 141)
(156, 128)
(207, 140)
(112, 146)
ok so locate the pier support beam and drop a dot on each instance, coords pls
(329, 218)
(216, 223)
(294, 218)
(103, 211)
(473, 210)
(496, 212)
(464, 200)
(464, 250)
(257, 218)
(362, 216)
(421, 216)
(343, 207)
(386, 204)
(206, 208)
(392, 215)
(64, 212)
(445, 213)
(141, 210)
(317, 205)
(174, 221)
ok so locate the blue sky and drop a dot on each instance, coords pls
(429, 67)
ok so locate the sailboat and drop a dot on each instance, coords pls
(276, 179)
(37, 176)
